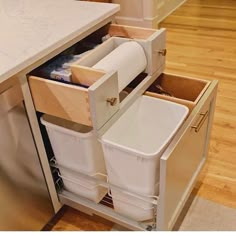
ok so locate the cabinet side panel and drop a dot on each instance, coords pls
(183, 160)
(61, 100)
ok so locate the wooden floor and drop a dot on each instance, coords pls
(201, 42)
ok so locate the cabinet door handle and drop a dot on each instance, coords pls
(201, 122)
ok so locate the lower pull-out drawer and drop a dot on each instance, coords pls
(180, 165)
(184, 158)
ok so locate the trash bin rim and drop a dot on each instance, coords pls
(65, 130)
(134, 152)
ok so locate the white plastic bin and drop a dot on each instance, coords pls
(132, 149)
(83, 186)
(76, 147)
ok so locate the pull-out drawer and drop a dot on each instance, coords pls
(180, 164)
(88, 106)
(175, 88)
(93, 98)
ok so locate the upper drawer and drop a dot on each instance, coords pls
(93, 98)
(90, 106)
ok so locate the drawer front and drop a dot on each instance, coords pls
(182, 161)
(101, 95)
(158, 51)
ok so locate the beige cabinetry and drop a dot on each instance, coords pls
(184, 156)
(145, 13)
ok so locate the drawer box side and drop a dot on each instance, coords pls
(95, 55)
(130, 32)
(183, 159)
(85, 75)
(69, 102)
(186, 91)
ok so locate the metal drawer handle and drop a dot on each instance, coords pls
(112, 101)
(201, 122)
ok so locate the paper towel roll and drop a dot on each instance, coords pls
(128, 60)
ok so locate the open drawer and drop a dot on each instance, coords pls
(180, 164)
(179, 89)
(152, 41)
(76, 103)
(93, 98)
(175, 88)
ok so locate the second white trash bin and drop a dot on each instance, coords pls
(132, 149)
(77, 149)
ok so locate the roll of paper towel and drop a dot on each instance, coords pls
(128, 60)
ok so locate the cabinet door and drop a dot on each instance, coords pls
(183, 160)
(24, 199)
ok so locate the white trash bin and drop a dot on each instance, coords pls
(132, 148)
(77, 149)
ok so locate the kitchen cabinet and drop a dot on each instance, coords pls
(92, 106)
(24, 198)
(184, 156)
(34, 32)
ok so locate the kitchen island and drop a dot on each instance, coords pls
(98, 106)
(33, 32)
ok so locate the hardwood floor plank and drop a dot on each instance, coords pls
(217, 3)
(210, 53)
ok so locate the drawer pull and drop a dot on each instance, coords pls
(201, 122)
(163, 52)
(112, 101)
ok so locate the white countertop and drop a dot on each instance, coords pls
(31, 29)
